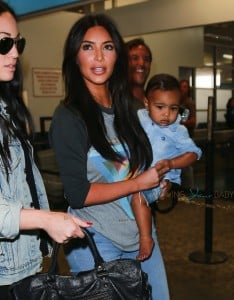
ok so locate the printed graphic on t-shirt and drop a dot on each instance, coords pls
(113, 171)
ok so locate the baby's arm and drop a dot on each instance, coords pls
(179, 162)
(143, 218)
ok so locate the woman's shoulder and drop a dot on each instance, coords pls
(66, 113)
(67, 125)
(67, 120)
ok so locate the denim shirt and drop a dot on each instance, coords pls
(20, 255)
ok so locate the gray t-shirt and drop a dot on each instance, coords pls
(80, 165)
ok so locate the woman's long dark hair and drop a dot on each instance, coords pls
(126, 122)
(11, 94)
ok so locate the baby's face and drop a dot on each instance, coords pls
(163, 106)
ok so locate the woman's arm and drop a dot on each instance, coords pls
(106, 192)
(60, 226)
(69, 139)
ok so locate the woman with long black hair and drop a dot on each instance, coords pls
(102, 151)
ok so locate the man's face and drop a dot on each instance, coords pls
(139, 62)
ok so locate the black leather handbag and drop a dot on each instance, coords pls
(121, 279)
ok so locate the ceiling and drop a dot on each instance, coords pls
(222, 37)
(220, 34)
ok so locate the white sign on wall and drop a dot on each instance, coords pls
(47, 82)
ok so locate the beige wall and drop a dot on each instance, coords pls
(45, 39)
(173, 48)
(152, 20)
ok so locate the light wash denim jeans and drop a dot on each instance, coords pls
(80, 259)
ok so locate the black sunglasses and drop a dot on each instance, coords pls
(7, 43)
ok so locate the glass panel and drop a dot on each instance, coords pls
(222, 98)
(208, 55)
(223, 56)
(202, 98)
(226, 81)
(201, 119)
(224, 67)
(204, 78)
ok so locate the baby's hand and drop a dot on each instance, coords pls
(166, 187)
(166, 163)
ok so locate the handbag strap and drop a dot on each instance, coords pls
(98, 260)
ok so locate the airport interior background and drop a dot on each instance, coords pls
(191, 40)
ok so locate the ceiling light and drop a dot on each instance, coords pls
(227, 56)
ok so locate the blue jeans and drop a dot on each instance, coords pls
(81, 259)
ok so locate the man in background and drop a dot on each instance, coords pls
(139, 63)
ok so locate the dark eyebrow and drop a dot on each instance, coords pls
(3, 32)
(91, 42)
(7, 33)
(110, 41)
(85, 41)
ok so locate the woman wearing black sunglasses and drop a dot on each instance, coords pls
(21, 186)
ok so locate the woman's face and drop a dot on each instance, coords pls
(8, 28)
(96, 57)
(184, 88)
